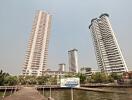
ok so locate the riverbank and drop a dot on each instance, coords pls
(78, 94)
(106, 85)
(96, 88)
(26, 93)
(45, 90)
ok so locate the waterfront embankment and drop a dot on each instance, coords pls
(26, 93)
(95, 88)
(31, 93)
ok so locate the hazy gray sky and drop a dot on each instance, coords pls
(70, 22)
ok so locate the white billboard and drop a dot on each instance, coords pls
(70, 82)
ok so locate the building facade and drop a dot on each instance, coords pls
(73, 60)
(37, 53)
(108, 53)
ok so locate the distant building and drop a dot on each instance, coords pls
(85, 70)
(108, 53)
(88, 71)
(73, 60)
(62, 67)
(37, 53)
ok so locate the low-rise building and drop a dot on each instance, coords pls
(88, 71)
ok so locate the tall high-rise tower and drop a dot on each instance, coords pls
(37, 53)
(108, 53)
(73, 60)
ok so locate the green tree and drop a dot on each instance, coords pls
(70, 74)
(3, 75)
(110, 79)
(99, 77)
(82, 78)
(41, 80)
(10, 80)
(53, 80)
(116, 76)
(21, 80)
(30, 80)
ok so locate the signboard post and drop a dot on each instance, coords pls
(71, 93)
(70, 83)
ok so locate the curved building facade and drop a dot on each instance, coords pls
(108, 54)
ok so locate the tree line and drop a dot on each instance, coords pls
(98, 77)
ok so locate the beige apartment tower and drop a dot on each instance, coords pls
(108, 53)
(37, 52)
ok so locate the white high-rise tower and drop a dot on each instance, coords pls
(73, 60)
(108, 53)
(37, 53)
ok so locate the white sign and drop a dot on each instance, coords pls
(70, 82)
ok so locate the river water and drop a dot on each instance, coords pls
(65, 94)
